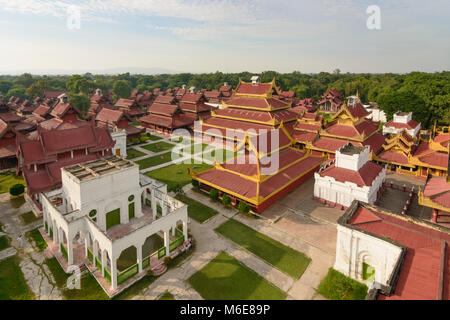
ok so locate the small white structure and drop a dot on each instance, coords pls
(120, 137)
(375, 113)
(102, 208)
(402, 121)
(357, 251)
(350, 176)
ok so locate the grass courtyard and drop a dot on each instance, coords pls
(158, 147)
(154, 161)
(282, 257)
(336, 286)
(176, 175)
(225, 278)
(12, 282)
(196, 210)
(4, 243)
(35, 237)
(7, 180)
(28, 218)
(133, 153)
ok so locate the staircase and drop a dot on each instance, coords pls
(159, 270)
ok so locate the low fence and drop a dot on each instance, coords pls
(127, 274)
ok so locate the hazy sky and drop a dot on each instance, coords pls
(226, 35)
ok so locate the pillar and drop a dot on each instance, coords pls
(113, 273)
(86, 246)
(139, 257)
(94, 255)
(103, 262)
(55, 233)
(167, 242)
(60, 240)
(164, 209)
(185, 231)
(435, 216)
(173, 231)
(69, 251)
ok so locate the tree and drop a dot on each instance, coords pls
(214, 194)
(17, 189)
(37, 89)
(25, 80)
(122, 89)
(243, 207)
(17, 91)
(5, 86)
(226, 200)
(81, 102)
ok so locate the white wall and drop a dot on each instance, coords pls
(352, 162)
(344, 193)
(120, 137)
(354, 248)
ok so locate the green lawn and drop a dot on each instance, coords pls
(196, 210)
(219, 155)
(336, 286)
(158, 147)
(176, 174)
(282, 257)
(57, 272)
(36, 237)
(16, 203)
(152, 137)
(12, 282)
(28, 218)
(166, 296)
(133, 153)
(4, 243)
(154, 161)
(225, 278)
(90, 290)
(9, 179)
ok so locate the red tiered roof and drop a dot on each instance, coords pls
(363, 177)
(412, 124)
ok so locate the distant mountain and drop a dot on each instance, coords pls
(133, 70)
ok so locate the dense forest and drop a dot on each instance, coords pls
(425, 94)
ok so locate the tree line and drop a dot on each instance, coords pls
(427, 95)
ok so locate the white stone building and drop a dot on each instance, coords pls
(399, 257)
(402, 121)
(106, 206)
(120, 137)
(350, 176)
(375, 113)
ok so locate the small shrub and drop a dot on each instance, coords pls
(149, 273)
(214, 194)
(145, 138)
(243, 207)
(148, 134)
(167, 260)
(135, 140)
(17, 189)
(226, 200)
(195, 183)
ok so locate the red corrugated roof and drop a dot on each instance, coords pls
(397, 125)
(364, 177)
(420, 274)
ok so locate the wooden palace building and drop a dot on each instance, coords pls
(267, 166)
